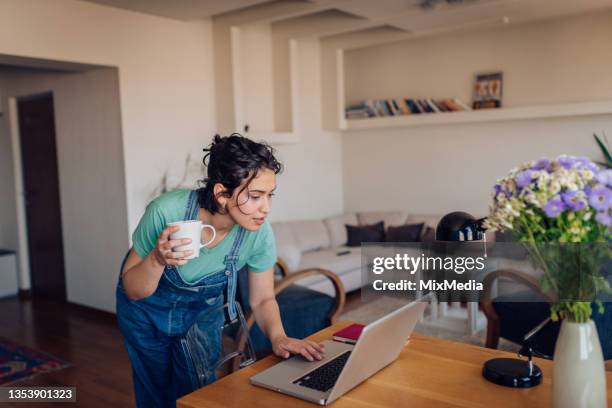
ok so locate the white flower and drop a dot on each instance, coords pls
(554, 187)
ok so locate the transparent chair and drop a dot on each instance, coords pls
(215, 353)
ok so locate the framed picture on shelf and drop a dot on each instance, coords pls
(488, 90)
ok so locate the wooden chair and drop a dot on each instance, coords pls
(493, 320)
(486, 302)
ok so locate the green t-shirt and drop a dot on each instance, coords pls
(258, 249)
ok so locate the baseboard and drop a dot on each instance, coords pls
(92, 312)
(25, 294)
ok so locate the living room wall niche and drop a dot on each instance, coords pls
(440, 167)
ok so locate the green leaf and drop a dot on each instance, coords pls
(604, 148)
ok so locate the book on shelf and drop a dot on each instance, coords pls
(404, 107)
(488, 90)
(433, 106)
(424, 106)
(413, 106)
(461, 104)
(396, 106)
(371, 108)
(448, 105)
(391, 107)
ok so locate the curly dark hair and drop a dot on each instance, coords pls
(230, 160)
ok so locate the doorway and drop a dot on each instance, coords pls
(36, 117)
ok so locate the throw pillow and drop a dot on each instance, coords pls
(404, 233)
(429, 235)
(365, 233)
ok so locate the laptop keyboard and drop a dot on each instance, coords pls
(323, 378)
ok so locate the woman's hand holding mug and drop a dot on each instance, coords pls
(181, 241)
(163, 252)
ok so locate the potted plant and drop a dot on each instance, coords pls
(561, 211)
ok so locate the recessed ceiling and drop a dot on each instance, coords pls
(181, 9)
(331, 17)
(13, 61)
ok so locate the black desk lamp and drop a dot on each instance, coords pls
(510, 372)
(460, 226)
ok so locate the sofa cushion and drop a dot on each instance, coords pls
(329, 259)
(336, 227)
(429, 235)
(286, 245)
(405, 233)
(365, 233)
(310, 235)
(388, 217)
(291, 255)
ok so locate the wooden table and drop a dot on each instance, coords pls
(429, 372)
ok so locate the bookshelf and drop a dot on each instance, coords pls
(481, 116)
(559, 109)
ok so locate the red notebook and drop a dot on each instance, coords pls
(349, 334)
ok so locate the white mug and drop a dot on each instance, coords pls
(191, 229)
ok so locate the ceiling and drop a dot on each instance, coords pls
(181, 9)
(335, 17)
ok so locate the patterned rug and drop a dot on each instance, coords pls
(19, 362)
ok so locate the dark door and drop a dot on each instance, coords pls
(41, 184)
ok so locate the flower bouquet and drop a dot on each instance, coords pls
(561, 211)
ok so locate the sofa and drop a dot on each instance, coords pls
(316, 243)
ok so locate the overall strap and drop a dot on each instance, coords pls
(193, 207)
(231, 271)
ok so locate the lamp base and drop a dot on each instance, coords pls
(511, 372)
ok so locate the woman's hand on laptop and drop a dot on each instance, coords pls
(284, 346)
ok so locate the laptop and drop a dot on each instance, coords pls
(344, 366)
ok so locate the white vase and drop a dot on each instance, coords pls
(579, 378)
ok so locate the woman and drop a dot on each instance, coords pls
(160, 292)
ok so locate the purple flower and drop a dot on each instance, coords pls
(566, 161)
(500, 191)
(600, 197)
(573, 201)
(585, 163)
(524, 178)
(554, 207)
(604, 218)
(605, 177)
(541, 164)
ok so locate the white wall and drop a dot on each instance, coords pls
(311, 186)
(91, 177)
(543, 62)
(256, 77)
(436, 169)
(167, 107)
(165, 76)
(166, 97)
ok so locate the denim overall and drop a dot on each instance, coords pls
(156, 328)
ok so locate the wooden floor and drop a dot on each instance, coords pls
(88, 339)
